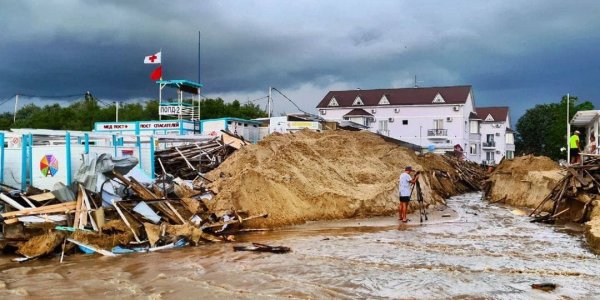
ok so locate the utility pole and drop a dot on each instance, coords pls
(16, 105)
(269, 103)
(568, 130)
(117, 111)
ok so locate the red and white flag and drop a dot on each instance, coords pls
(156, 74)
(152, 59)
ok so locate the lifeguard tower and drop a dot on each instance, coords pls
(181, 109)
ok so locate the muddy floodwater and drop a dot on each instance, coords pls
(469, 250)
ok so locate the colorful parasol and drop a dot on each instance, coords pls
(49, 165)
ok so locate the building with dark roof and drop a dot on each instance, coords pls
(436, 118)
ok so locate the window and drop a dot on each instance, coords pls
(489, 156)
(404, 122)
(383, 125)
(438, 124)
(473, 149)
(438, 99)
(510, 154)
(474, 127)
(510, 138)
(384, 100)
(333, 102)
(347, 118)
(490, 137)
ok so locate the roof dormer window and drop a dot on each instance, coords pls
(438, 99)
(384, 100)
(357, 101)
(489, 118)
(333, 102)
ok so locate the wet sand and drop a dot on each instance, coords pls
(481, 250)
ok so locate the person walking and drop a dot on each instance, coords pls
(574, 147)
(404, 188)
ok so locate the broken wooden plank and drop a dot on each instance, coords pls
(125, 220)
(42, 197)
(56, 208)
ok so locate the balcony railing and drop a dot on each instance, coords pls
(491, 144)
(489, 162)
(437, 132)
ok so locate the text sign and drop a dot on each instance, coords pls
(301, 125)
(158, 125)
(115, 126)
(169, 110)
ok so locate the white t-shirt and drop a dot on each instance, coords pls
(404, 185)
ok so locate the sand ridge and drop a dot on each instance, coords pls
(308, 176)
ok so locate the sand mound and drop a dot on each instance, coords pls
(41, 244)
(319, 176)
(524, 181)
(102, 241)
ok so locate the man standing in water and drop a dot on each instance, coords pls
(405, 190)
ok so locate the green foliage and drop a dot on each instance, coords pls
(82, 114)
(542, 130)
(217, 108)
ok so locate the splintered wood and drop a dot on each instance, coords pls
(468, 172)
(578, 188)
(188, 161)
(110, 224)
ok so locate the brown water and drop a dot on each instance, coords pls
(480, 251)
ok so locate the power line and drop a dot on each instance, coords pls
(294, 103)
(52, 96)
(6, 99)
(257, 99)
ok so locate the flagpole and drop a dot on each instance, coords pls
(160, 87)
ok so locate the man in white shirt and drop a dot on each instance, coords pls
(404, 188)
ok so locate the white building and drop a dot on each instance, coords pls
(497, 139)
(435, 118)
(590, 120)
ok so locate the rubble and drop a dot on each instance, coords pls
(283, 180)
(134, 216)
(187, 161)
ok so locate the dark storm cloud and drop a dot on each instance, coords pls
(513, 52)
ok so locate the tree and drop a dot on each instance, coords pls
(82, 115)
(542, 129)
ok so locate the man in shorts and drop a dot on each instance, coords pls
(405, 191)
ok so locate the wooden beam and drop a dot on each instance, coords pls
(56, 208)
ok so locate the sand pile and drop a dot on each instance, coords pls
(524, 181)
(319, 176)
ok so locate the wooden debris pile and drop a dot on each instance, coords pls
(147, 218)
(469, 173)
(187, 161)
(574, 195)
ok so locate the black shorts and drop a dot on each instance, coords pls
(574, 152)
(404, 198)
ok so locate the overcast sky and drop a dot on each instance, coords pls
(515, 53)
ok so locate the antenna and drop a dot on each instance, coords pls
(416, 82)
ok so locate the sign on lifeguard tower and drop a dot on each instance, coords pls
(182, 109)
